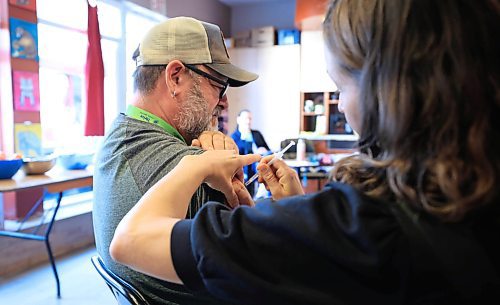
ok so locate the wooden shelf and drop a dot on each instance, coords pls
(312, 114)
(330, 121)
(329, 137)
(329, 129)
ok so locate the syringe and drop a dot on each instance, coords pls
(277, 156)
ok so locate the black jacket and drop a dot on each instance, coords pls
(337, 247)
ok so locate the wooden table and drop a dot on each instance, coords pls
(55, 181)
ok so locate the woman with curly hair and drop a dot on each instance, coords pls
(413, 218)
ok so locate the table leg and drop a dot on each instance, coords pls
(47, 244)
(53, 265)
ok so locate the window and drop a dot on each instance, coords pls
(62, 51)
(62, 58)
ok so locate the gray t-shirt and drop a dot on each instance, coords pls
(133, 157)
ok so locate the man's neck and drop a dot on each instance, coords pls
(154, 105)
(244, 130)
(160, 107)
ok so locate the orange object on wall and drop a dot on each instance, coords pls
(309, 14)
(26, 4)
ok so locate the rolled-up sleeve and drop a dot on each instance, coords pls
(182, 256)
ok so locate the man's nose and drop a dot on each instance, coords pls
(223, 102)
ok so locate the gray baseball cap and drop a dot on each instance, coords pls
(192, 42)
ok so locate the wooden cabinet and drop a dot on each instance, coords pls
(314, 112)
(319, 115)
(321, 121)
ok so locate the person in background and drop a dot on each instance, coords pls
(412, 219)
(181, 78)
(249, 141)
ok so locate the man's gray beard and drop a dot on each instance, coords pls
(194, 116)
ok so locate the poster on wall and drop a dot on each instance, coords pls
(23, 39)
(28, 139)
(26, 91)
(26, 4)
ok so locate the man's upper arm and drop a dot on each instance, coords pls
(152, 160)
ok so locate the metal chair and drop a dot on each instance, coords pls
(125, 293)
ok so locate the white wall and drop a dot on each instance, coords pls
(313, 75)
(278, 13)
(274, 98)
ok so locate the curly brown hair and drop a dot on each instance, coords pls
(428, 73)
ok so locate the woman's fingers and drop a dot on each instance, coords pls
(224, 166)
(231, 197)
(244, 196)
(240, 175)
(280, 179)
(267, 176)
(196, 143)
(249, 159)
(215, 140)
(229, 144)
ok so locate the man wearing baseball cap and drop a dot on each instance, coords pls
(182, 75)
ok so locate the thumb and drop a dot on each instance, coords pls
(268, 176)
(240, 175)
(231, 197)
(242, 192)
(196, 143)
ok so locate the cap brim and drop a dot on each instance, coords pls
(237, 77)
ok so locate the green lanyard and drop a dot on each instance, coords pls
(143, 115)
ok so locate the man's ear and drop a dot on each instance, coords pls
(174, 76)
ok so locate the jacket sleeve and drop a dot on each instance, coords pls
(258, 138)
(311, 249)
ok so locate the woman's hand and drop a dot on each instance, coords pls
(244, 196)
(215, 140)
(281, 180)
(221, 168)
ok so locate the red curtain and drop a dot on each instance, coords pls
(94, 77)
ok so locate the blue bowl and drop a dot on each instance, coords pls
(75, 161)
(9, 168)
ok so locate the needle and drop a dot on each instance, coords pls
(277, 156)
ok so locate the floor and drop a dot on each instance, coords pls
(80, 284)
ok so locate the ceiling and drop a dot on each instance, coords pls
(238, 2)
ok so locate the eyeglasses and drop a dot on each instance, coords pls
(224, 84)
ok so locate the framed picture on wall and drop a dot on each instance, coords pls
(26, 91)
(28, 139)
(23, 39)
(26, 4)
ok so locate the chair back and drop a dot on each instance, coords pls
(125, 293)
